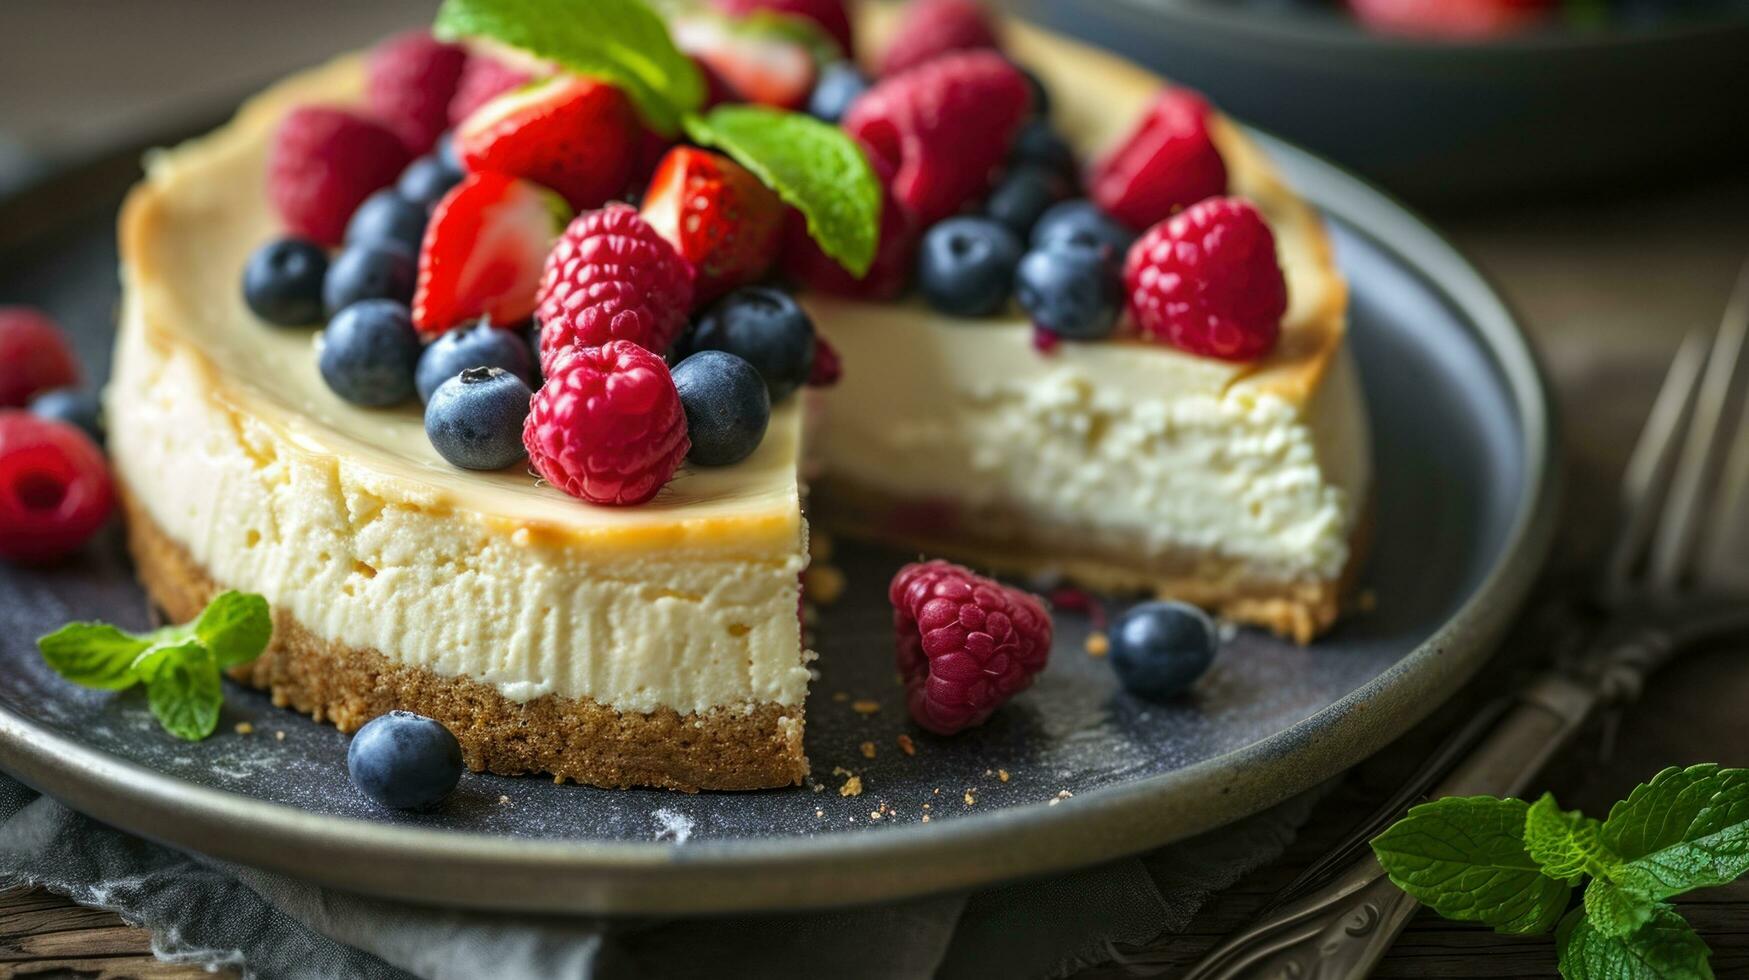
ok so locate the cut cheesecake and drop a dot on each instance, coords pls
(659, 645)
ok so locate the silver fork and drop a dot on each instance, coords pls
(1680, 554)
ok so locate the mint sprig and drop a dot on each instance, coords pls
(1514, 865)
(180, 665)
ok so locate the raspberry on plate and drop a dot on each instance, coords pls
(607, 426)
(323, 163)
(483, 79)
(717, 215)
(34, 355)
(1207, 281)
(829, 15)
(55, 488)
(483, 252)
(577, 136)
(612, 277)
(409, 81)
(1168, 162)
(929, 29)
(966, 644)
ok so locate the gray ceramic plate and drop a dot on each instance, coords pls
(1072, 772)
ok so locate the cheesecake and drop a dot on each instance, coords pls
(659, 644)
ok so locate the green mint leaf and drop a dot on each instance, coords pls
(1565, 842)
(235, 627)
(1665, 948)
(1614, 911)
(1465, 857)
(814, 166)
(93, 655)
(154, 659)
(1686, 829)
(185, 694)
(623, 42)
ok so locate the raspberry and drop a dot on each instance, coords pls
(1168, 162)
(612, 277)
(1452, 20)
(827, 369)
(483, 79)
(1206, 280)
(942, 128)
(608, 425)
(966, 643)
(408, 84)
(55, 489)
(804, 262)
(830, 15)
(323, 163)
(34, 356)
(932, 28)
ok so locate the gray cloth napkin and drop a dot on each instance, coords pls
(210, 912)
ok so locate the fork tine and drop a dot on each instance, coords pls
(1649, 468)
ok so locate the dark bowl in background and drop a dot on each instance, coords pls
(1563, 111)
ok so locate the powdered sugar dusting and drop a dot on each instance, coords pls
(672, 826)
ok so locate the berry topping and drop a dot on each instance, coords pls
(481, 345)
(888, 274)
(323, 163)
(368, 270)
(754, 61)
(942, 128)
(368, 354)
(607, 426)
(765, 327)
(1023, 195)
(612, 277)
(840, 84)
(1038, 143)
(929, 29)
(426, 180)
(966, 644)
(73, 406)
(1160, 648)
(282, 282)
(574, 135)
(827, 368)
(386, 216)
(55, 489)
(966, 266)
(1452, 20)
(1168, 162)
(1206, 280)
(727, 407)
(34, 355)
(717, 215)
(475, 419)
(830, 15)
(1081, 223)
(484, 79)
(483, 252)
(1071, 291)
(409, 81)
(404, 761)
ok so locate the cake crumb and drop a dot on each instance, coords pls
(851, 787)
(840, 697)
(906, 745)
(244, 728)
(970, 799)
(926, 818)
(989, 772)
(558, 780)
(1098, 644)
(1002, 774)
(503, 800)
(868, 750)
(927, 806)
(279, 736)
(938, 791)
(819, 814)
(865, 706)
(874, 814)
(823, 584)
(1062, 795)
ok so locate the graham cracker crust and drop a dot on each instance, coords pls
(571, 738)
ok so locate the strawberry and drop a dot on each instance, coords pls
(578, 136)
(717, 215)
(483, 252)
(483, 79)
(758, 63)
(830, 16)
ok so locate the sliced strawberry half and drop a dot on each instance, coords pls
(578, 136)
(758, 63)
(483, 252)
(717, 215)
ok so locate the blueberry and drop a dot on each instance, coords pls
(727, 406)
(474, 419)
(1039, 144)
(404, 761)
(1080, 222)
(481, 345)
(72, 406)
(766, 328)
(1022, 196)
(1071, 291)
(386, 216)
(369, 352)
(1160, 648)
(965, 266)
(282, 283)
(426, 180)
(368, 270)
(840, 84)
(449, 156)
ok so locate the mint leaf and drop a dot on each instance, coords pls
(93, 655)
(1665, 948)
(235, 627)
(623, 42)
(1615, 912)
(1687, 828)
(1465, 857)
(149, 664)
(813, 166)
(185, 694)
(1565, 842)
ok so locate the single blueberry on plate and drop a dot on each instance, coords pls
(1022, 196)
(1080, 222)
(369, 352)
(1071, 291)
(1160, 648)
(840, 84)
(965, 266)
(1039, 144)
(386, 216)
(369, 270)
(282, 282)
(481, 345)
(475, 419)
(72, 406)
(727, 406)
(404, 761)
(426, 180)
(765, 327)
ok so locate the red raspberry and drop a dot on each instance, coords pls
(1168, 162)
(612, 277)
(323, 163)
(929, 29)
(942, 128)
(55, 489)
(483, 79)
(1206, 280)
(804, 262)
(966, 644)
(830, 15)
(1451, 20)
(607, 426)
(34, 356)
(409, 81)
(827, 368)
